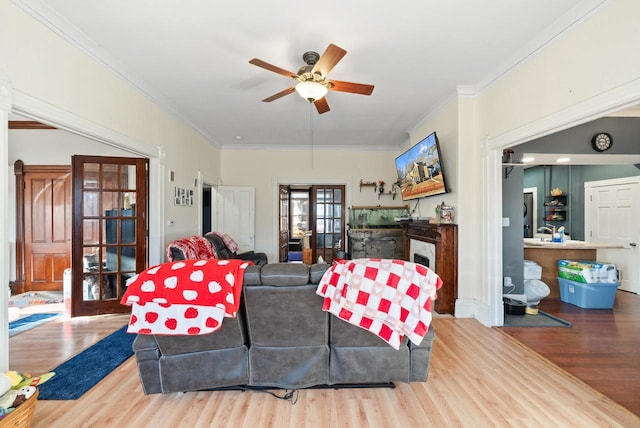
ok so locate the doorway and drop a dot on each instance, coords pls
(530, 213)
(312, 220)
(43, 226)
(206, 209)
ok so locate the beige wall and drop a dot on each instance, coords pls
(592, 59)
(265, 169)
(445, 124)
(51, 76)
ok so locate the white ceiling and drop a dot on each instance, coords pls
(193, 56)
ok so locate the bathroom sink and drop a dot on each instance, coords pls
(535, 241)
(548, 243)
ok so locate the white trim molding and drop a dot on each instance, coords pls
(5, 252)
(619, 98)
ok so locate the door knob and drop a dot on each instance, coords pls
(633, 244)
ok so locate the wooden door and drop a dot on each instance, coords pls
(283, 215)
(612, 209)
(47, 232)
(327, 220)
(110, 230)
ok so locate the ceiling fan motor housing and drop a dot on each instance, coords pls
(304, 73)
(310, 58)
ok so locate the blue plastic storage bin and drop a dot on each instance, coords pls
(590, 296)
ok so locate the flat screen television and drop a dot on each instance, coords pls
(419, 169)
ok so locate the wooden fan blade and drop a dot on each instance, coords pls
(328, 60)
(270, 67)
(280, 94)
(355, 88)
(322, 105)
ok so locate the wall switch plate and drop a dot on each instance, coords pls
(505, 222)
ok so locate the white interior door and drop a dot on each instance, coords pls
(235, 214)
(612, 209)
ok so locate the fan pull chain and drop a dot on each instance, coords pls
(311, 130)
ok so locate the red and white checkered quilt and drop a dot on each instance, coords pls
(390, 298)
(193, 248)
(186, 297)
(228, 241)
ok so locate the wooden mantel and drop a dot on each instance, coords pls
(445, 239)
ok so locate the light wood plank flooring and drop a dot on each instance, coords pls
(477, 379)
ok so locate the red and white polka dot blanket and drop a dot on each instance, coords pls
(390, 298)
(186, 297)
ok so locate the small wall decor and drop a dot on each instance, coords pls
(183, 196)
(368, 184)
(445, 213)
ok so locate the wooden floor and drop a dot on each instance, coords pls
(602, 348)
(479, 377)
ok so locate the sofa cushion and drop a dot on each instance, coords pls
(285, 274)
(252, 275)
(316, 271)
(145, 348)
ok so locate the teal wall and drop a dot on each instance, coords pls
(512, 244)
(571, 179)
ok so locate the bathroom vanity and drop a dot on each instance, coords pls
(547, 254)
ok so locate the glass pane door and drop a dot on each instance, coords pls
(328, 220)
(110, 230)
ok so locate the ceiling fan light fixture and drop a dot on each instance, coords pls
(311, 91)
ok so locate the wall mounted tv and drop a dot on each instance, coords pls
(420, 172)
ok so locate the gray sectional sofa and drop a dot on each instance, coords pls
(281, 338)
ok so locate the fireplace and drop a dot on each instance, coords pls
(423, 252)
(438, 243)
(419, 258)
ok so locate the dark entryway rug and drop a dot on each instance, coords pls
(543, 319)
(79, 374)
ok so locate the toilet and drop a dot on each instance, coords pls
(534, 288)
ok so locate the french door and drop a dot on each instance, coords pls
(110, 230)
(328, 220)
(284, 216)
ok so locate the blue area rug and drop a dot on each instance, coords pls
(79, 374)
(29, 322)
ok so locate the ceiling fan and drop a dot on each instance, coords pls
(312, 80)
